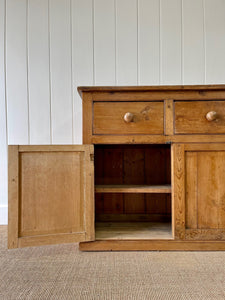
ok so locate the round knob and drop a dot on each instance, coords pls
(211, 115)
(128, 117)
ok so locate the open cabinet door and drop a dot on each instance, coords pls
(51, 195)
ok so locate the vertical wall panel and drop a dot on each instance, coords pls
(82, 62)
(16, 71)
(104, 42)
(126, 42)
(38, 72)
(193, 42)
(3, 129)
(215, 41)
(60, 71)
(170, 34)
(148, 42)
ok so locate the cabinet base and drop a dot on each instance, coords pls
(152, 245)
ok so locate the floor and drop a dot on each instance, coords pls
(62, 272)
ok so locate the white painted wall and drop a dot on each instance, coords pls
(49, 47)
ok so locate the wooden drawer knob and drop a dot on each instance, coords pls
(128, 117)
(211, 115)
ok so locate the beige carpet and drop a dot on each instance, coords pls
(62, 272)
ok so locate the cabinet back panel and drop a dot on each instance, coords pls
(132, 164)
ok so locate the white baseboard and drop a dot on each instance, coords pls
(3, 214)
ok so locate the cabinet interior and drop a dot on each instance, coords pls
(133, 191)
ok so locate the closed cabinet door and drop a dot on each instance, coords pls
(199, 191)
(51, 195)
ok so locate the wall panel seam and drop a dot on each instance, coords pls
(182, 41)
(6, 114)
(93, 40)
(71, 69)
(27, 70)
(204, 38)
(160, 43)
(116, 77)
(137, 9)
(50, 76)
(115, 40)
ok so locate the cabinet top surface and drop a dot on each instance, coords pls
(82, 89)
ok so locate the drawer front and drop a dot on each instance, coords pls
(128, 118)
(200, 117)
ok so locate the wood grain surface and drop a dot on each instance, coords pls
(190, 117)
(51, 194)
(147, 118)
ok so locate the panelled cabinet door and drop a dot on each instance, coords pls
(51, 195)
(199, 191)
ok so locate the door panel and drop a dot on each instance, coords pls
(191, 190)
(55, 198)
(211, 197)
(201, 194)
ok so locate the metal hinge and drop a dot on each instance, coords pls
(92, 157)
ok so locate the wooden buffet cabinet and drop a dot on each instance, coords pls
(150, 174)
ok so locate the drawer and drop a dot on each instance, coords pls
(128, 118)
(191, 117)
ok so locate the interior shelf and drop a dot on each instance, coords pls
(131, 188)
(132, 230)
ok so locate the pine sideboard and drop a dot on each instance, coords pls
(150, 174)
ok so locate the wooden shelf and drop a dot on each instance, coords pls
(162, 189)
(132, 230)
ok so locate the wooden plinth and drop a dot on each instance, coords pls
(151, 245)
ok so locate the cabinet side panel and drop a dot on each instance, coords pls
(13, 197)
(88, 186)
(168, 178)
(99, 167)
(191, 189)
(87, 118)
